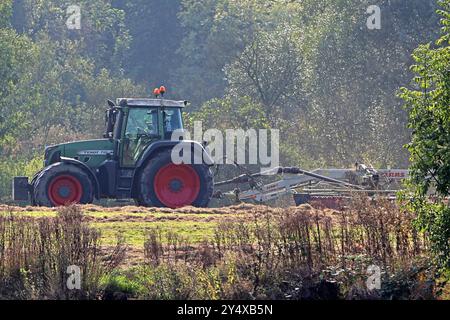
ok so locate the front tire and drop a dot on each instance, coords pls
(164, 184)
(62, 184)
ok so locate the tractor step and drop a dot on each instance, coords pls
(123, 193)
(125, 180)
(125, 183)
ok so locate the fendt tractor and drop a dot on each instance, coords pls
(132, 161)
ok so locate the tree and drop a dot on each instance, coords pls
(17, 56)
(156, 34)
(103, 36)
(5, 13)
(269, 70)
(429, 118)
(54, 82)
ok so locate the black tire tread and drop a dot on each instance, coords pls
(40, 186)
(145, 193)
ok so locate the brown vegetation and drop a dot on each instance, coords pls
(35, 255)
(294, 253)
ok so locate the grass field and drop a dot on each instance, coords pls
(243, 251)
(133, 223)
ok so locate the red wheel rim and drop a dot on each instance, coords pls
(65, 189)
(177, 185)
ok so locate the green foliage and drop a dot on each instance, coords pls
(103, 36)
(309, 68)
(17, 55)
(429, 117)
(156, 36)
(5, 13)
(269, 70)
(118, 285)
(356, 71)
(13, 167)
(322, 77)
(55, 81)
(230, 113)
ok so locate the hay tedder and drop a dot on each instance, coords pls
(133, 161)
(325, 187)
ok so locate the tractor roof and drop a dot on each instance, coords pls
(144, 102)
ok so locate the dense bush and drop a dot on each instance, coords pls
(428, 104)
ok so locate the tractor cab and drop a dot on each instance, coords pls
(137, 123)
(145, 116)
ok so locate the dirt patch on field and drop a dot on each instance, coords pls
(134, 257)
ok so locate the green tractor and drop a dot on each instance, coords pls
(132, 161)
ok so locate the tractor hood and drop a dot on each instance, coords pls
(91, 152)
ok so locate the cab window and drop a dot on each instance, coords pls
(141, 129)
(142, 122)
(172, 121)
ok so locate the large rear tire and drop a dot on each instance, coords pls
(62, 184)
(163, 184)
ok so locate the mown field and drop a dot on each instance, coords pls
(238, 252)
(133, 224)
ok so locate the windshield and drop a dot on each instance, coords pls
(142, 121)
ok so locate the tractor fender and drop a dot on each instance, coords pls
(199, 151)
(88, 170)
(157, 146)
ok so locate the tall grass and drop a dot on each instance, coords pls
(287, 253)
(35, 255)
(266, 253)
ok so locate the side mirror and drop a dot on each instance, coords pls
(111, 104)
